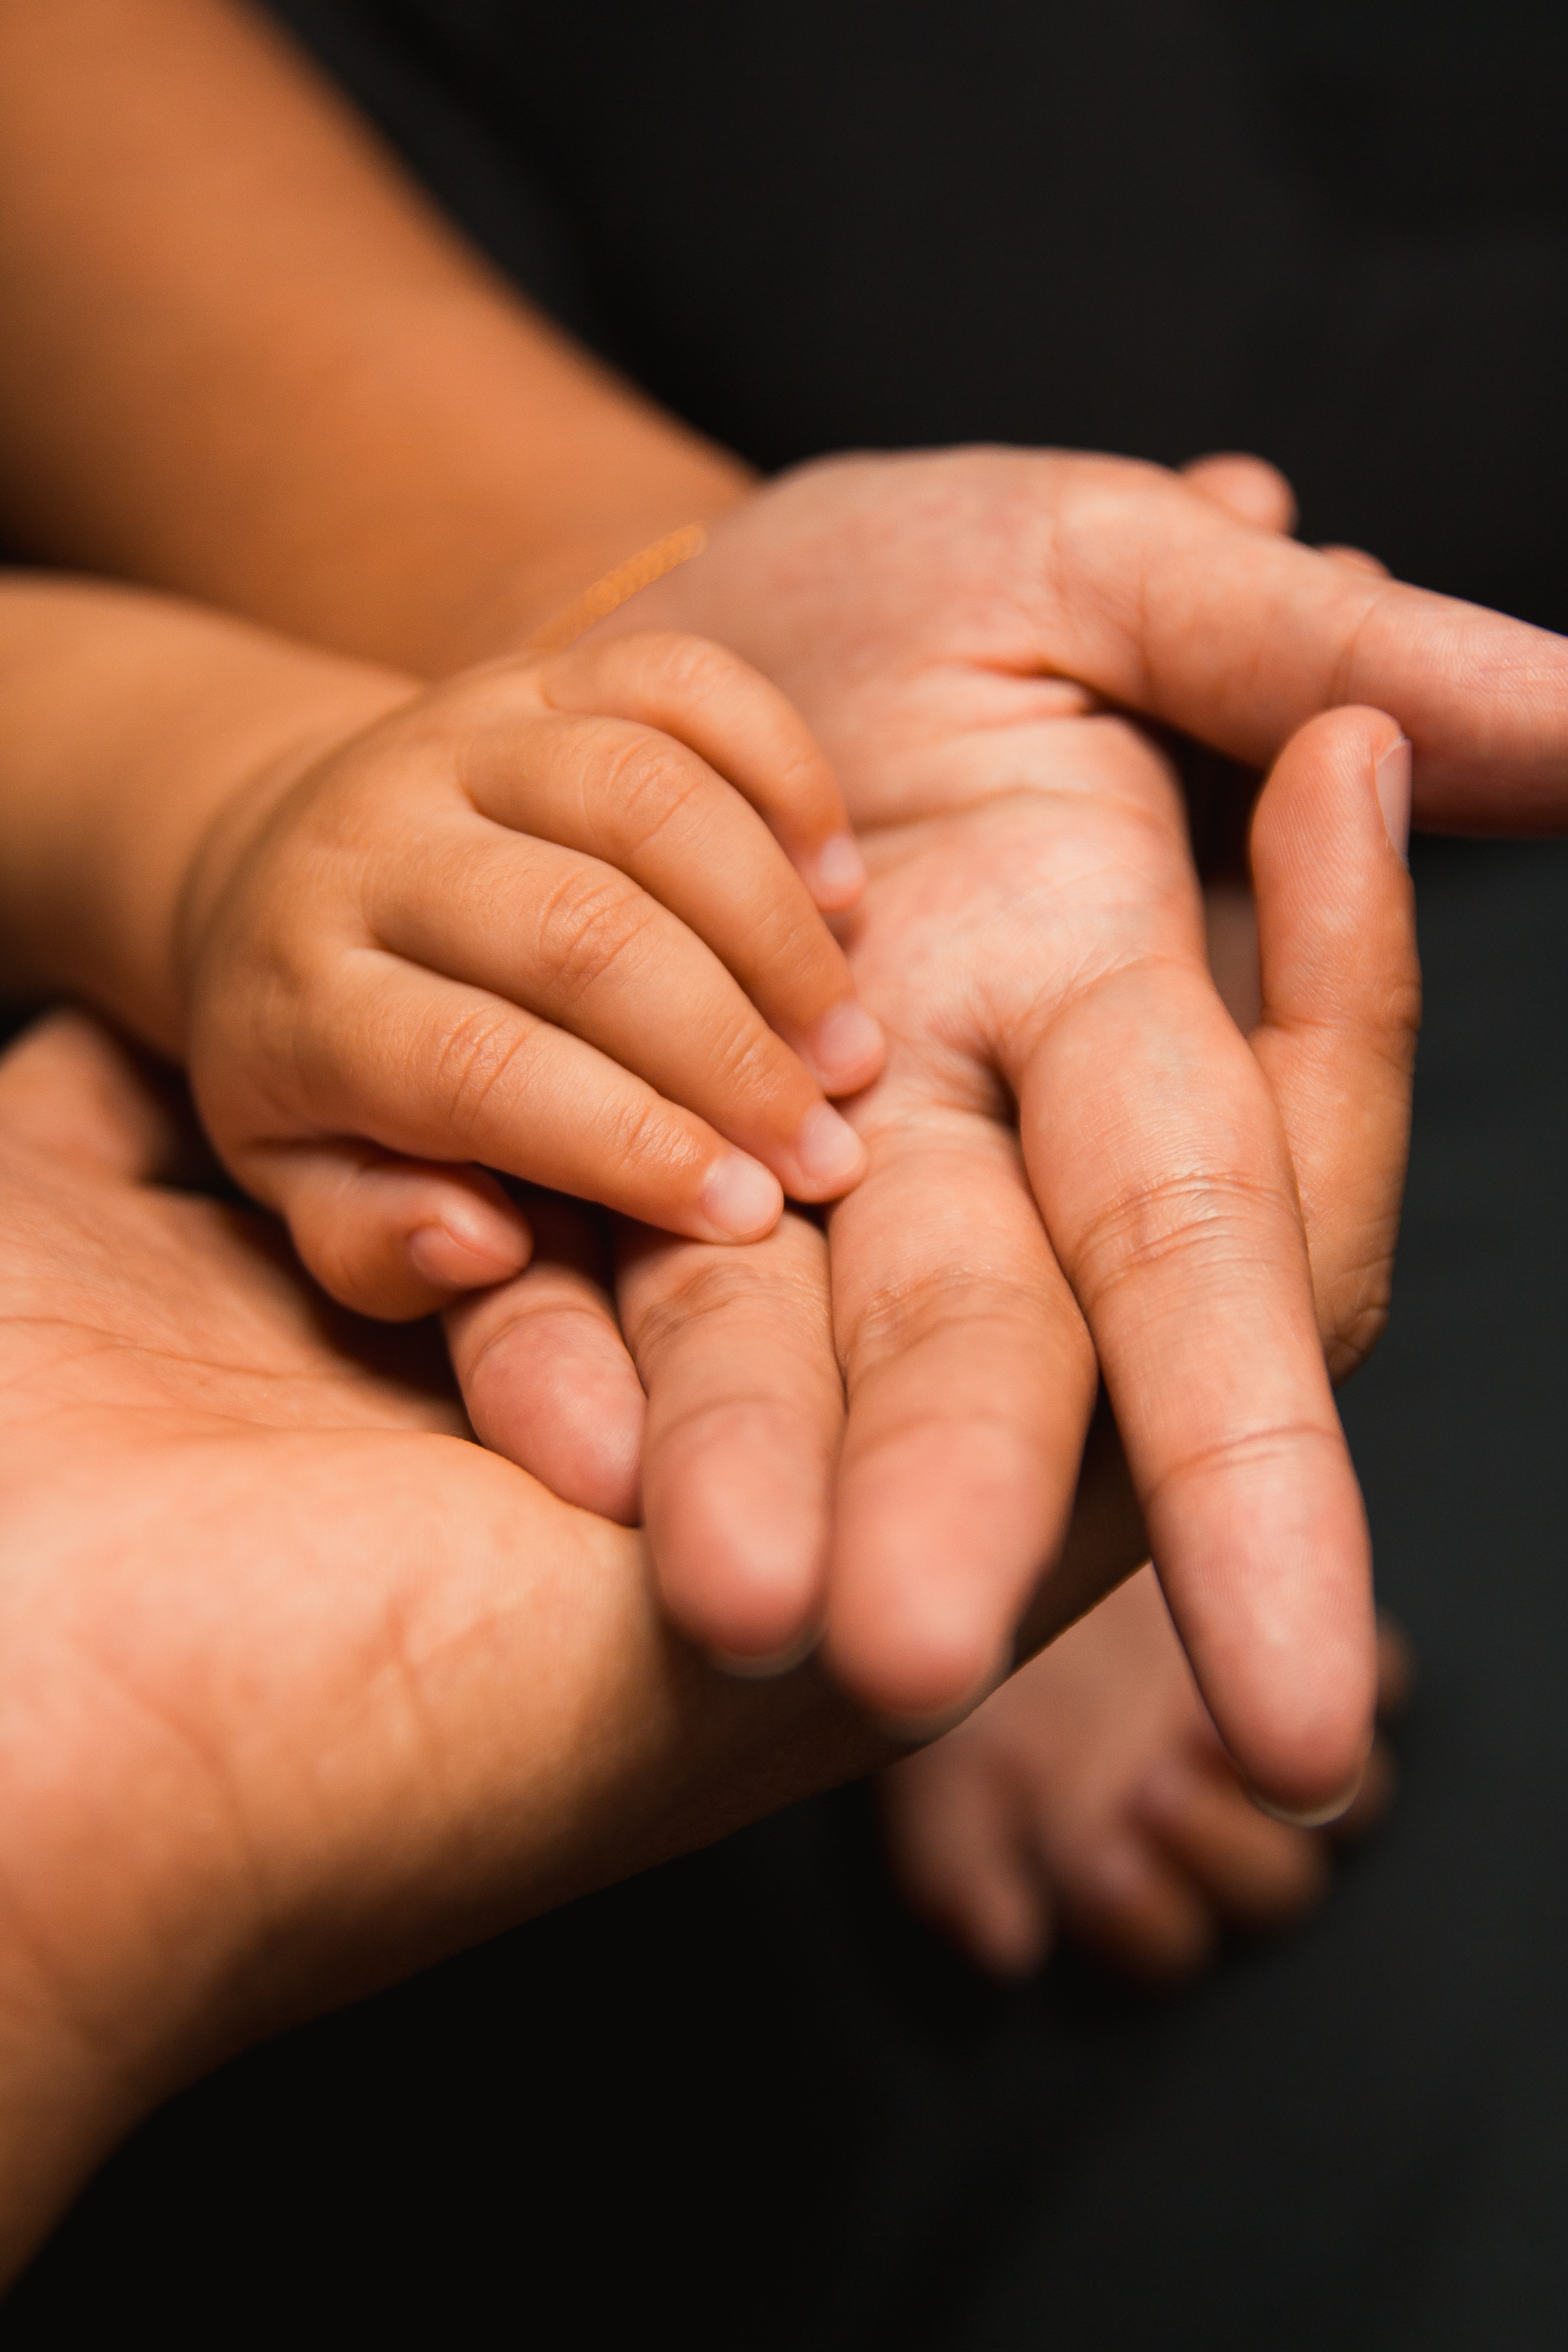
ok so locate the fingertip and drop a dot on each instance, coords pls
(1247, 486)
(1004, 1929)
(1392, 782)
(917, 1677)
(554, 1390)
(1312, 1816)
(835, 877)
(740, 1200)
(846, 1048)
(737, 1512)
(829, 1157)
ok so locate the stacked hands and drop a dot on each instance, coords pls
(566, 920)
(597, 923)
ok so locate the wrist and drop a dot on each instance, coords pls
(232, 820)
(517, 598)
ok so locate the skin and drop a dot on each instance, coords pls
(421, 471)
(514, 920)
(1090, 1799)
(298, 1689)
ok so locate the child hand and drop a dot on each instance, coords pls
(1090, 1799)
(559, 918)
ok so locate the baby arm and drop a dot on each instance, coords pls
(534, 919)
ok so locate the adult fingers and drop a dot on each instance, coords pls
(578, 943)
(706, 697)
(745, 1413)
(637, 802)
(70, 1087)
(971, 1381)
(1341, 987)
(1156, 1154)
(1238, 636)
(1249, 488)
(544, 1371)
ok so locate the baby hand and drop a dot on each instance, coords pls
(558, 919)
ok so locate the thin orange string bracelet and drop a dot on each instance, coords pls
(617, 587)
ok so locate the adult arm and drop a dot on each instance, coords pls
(243, 358)
(299, 1690)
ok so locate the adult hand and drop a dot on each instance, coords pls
(971, 1375)
(299, 1688)
(925, 613)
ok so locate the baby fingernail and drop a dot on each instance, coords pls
(827, 1152)
(846, 1043)
(1394, 794)
(840, 870)
(741, 1199)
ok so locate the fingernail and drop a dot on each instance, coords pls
(463, 1261)
(827, 1152)
(840, 870)
(741, 1199)
(767, 1666)
(1313, 1817)
(845, 1045)
(1393, 795)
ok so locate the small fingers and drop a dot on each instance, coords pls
(579, 944)
(391, 1236)
(956, 1853)
(545, 1374)
(637, 801)
(428, 1070)
(1260, 1874)
(707, 697)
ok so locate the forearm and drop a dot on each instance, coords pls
(130, 727)
(244, 360)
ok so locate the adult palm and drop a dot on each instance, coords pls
(1031, 939)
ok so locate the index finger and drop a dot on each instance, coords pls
(710, 699)
(1234, 634)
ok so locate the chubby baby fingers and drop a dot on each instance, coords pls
(389, 1236)
(634, 800)
(428, 1069)
(581, 945)
(710, 699)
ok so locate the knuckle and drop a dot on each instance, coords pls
(650, 780)
(589, 923)
(473, 1055)
(1234, 1453)
(719, 1290)
(940, 1306)
(752, 1066)
(695, 669)
(1192, 1217)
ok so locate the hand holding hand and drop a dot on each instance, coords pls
(535, 919)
